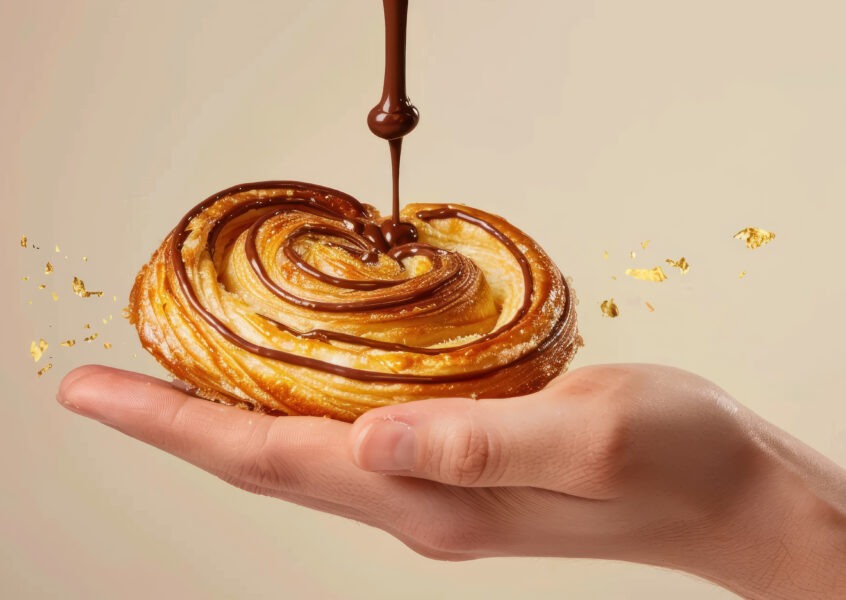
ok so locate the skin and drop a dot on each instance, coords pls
(642, 463)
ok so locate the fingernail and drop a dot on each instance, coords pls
(386, 446)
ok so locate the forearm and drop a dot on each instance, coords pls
(786, 536)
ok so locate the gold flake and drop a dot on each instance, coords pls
(23, 241)
(605, 255)
(614, 277)
(68, 343)
(45, 369)
(114, 298)
(742, 275)
(680, 264)
(650, 307)
(754, 237)
(609, 308)
(84, 259)
(48, 268)
(111, 317)
(29, 301)
(107, 345)
(42, 286)
(55, 297)
(91, 337)
(633, 254)
(79, 289)
(653, 274)
(644, 244)
(57, 249)
(26, 278)
(87, 326)
(105, 321)
(37, 349)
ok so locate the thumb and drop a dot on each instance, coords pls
(543, 440)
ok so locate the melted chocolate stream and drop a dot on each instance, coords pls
(395, 117)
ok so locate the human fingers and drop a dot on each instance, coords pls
(568, 438)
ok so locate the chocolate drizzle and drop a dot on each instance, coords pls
(343, 221)
(395, 117)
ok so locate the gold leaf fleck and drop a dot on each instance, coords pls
(68, 343)
(57, 249)
(742, 275)
(107, 345)
(84, 259)
(680, 264)
(45, 369)
(37, 349)
(650, 307)
(55, 297)
(79, 289)
(87, 326)
(42, 286)
(91, 337)
(26, 278)
(23, 241)
(754, 237)
(114, 298)
(609, 308)
(644, 244)
(605, 255)
(633, 254)
(614, 278)
(48, 268)
(653, 274)
(105, 321)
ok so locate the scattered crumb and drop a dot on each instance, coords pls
(680, 264)
(653, 274)
(609, 308)
(755, 237)
(79, 289)
(37, 349)
(650, 307)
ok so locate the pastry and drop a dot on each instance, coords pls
(284, 297)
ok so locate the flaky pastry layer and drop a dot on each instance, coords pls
(274, 296)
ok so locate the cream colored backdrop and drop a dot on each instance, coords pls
(592, 125)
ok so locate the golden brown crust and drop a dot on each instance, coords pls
(478, 290)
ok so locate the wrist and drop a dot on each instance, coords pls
(785, 535)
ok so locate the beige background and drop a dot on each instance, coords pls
(592, 125)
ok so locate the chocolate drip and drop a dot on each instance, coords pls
(343, 218)
(395, 117)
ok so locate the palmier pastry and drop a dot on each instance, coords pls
(285, 298)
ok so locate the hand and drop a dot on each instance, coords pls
(630, 462)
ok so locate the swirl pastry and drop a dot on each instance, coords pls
(283, 297)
